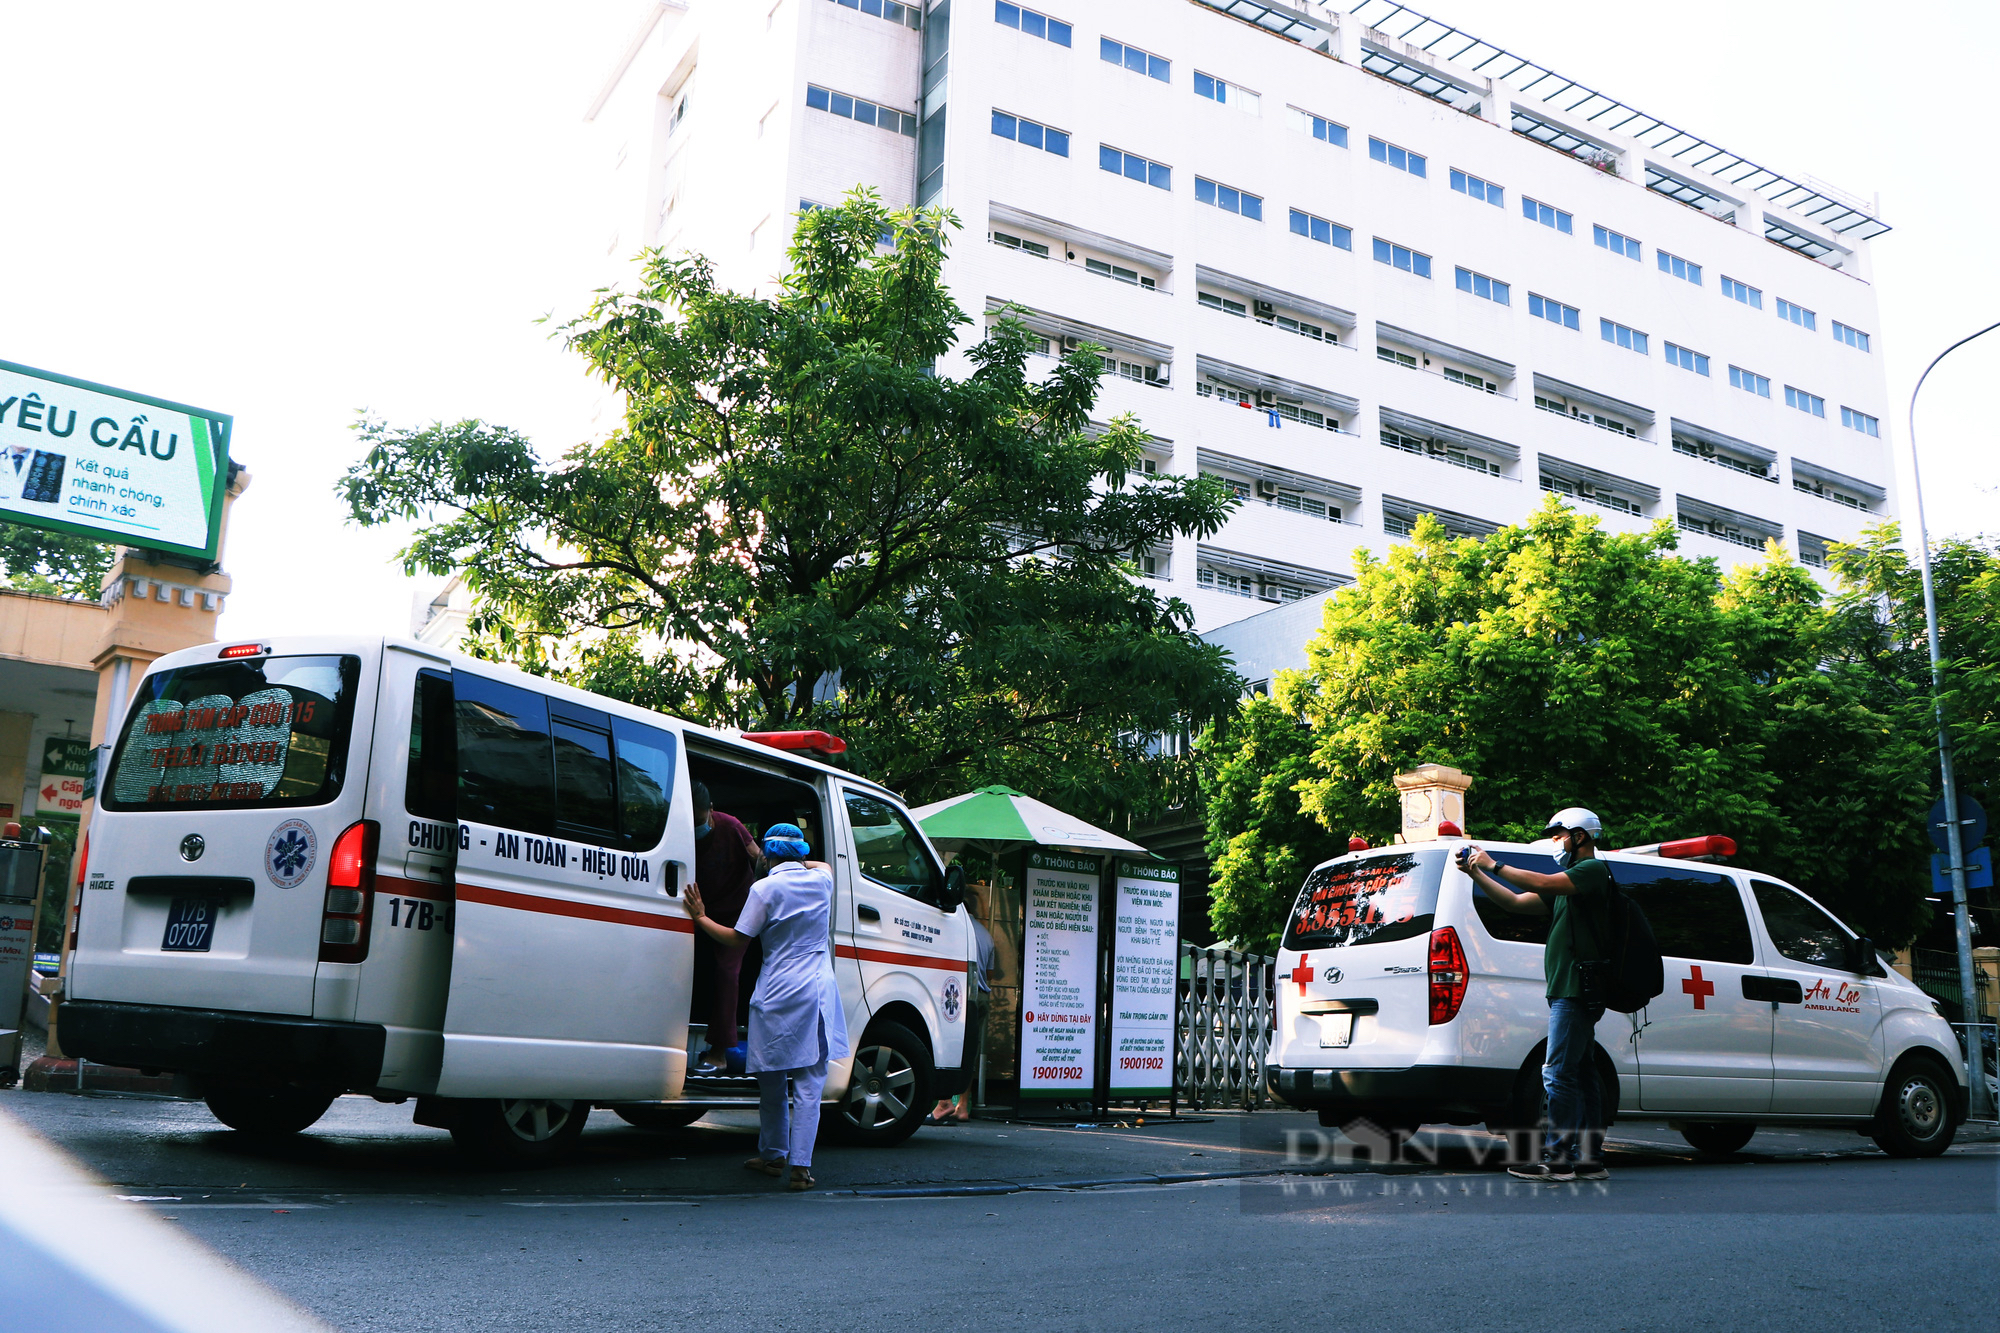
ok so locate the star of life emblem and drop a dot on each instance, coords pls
(289, 855)
(952, 999)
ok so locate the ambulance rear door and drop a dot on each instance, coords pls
(572, 954)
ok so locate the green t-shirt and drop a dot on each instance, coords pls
(1592, 879)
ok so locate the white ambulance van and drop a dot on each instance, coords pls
(1406, 996)
(322, 866)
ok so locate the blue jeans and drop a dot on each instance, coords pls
(1576, 1097)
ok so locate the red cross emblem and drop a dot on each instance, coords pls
(1302, 972)
(1696, 987)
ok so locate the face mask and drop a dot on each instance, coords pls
(1562, 859)
(703, 830)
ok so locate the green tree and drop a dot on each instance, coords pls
(58, 563)
(1564, 665)
(801, 525)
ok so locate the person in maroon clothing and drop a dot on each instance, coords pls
(727, 861)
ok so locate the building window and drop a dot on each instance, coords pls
(1630, 339)
(1798, 315)
(1035, 248)
(1854, 338)
(1319, 127)
(1589, 494)
(1319, 229)
(1119, 273)
(1470, 380)
(855, 108)
(1708, 453)
(1485, 288)
(1132, 58)
(1028, 132)
(1472, 187)
(910, 16)
(1227, 93)
(1397, 256)
(1860, 421)
(1825, 491)
(1440, 451)
(1749, 381)
(1228, 198)
(1133, 167)
(1686, 360)
(1298, 326)
(1536, 211)
(1617, 244)
(1555, 312)
(1740, 291)
(1224, 304)
(1396, 358)
(1028, 21)
(679, 114)
(1805, 402)
(1402, 159)
(1571, 410)
(1679, 267)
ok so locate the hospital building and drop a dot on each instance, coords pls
(1360, 264)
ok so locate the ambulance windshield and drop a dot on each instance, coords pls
(1373, 900)
(257, 733)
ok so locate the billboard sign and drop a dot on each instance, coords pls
(65, 765)
(110, 465)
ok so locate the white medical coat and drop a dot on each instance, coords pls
(795, 1016)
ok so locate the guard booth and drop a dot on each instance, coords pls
(20, 891)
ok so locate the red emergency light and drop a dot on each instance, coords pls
(817, 742)
(1709, 845)
(245, 650)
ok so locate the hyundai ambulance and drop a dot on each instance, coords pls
(326, 866)
(1406, 996)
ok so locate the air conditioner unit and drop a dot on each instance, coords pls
(1071, 342)
(1266, 398)
(1267, 489)
(1264, 309)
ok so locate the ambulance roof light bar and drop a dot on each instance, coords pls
(816, 742)
(1708, 847)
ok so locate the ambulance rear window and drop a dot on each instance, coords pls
(263, 732)
(1370, 901)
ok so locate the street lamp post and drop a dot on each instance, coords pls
(1975, 1062)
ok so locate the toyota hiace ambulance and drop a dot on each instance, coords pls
(1406, 996)
(322, 866)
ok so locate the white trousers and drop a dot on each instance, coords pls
(788, 1124)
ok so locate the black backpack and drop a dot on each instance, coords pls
(1629, 972)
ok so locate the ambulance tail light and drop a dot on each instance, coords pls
(236, 650)
(1448, 975)
(350, 894)
(819, 742)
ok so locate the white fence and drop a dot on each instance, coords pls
(1226, 1020)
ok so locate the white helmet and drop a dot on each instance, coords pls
(1576, 817)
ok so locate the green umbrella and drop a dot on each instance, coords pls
(992, 817)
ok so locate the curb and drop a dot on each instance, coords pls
(48, 1074)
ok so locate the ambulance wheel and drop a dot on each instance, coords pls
(275, 1109)
(889, 1092)
(524, 1131)
(1718, 1138)
(1915, 1118)
(659, 1117)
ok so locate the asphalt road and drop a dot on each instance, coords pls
(373, 1223)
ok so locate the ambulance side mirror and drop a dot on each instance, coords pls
(1861, 956)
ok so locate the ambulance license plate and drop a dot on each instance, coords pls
(190, 925)
(1335, 1030)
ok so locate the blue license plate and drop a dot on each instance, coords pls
(190, 925)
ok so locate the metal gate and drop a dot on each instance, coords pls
(1227, 1017)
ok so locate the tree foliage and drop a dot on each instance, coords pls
(61, 564)
(799, 524)
(1561, 665)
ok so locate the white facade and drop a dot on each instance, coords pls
(1392, 393)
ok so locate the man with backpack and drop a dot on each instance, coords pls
(1578, 899)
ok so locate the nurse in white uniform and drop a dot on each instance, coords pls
(796, 1024)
